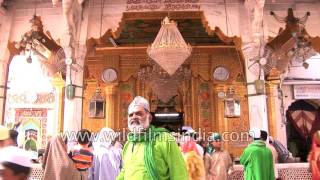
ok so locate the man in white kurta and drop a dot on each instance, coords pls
(218, 164)
(107, 157)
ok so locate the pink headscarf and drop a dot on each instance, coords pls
(188, 144)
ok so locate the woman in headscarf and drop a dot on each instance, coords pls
(193, 159)
(314, 156)
(57, 164)
(107, 158)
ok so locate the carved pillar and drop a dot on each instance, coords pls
(273, 107)
(220, 122)
(194, 101)
(73, 43)
(187, 99)
(255, 10)
(258, 112)
(73, 107)
(253, 37)
(139, 85)
(58, 84)
(3, 84)
(111, 118)
(141, 88)
(5, 29)
(257, 103)
(218, 119)
(70, 123)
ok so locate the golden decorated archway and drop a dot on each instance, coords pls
(207, 99)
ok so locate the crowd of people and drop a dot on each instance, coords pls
(149, 152)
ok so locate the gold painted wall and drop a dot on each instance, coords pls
(198, 97)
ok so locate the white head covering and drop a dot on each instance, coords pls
(104, 138)
(4, 133)
(255, 132)
(139, 101)
(188, 129)
(15, 155)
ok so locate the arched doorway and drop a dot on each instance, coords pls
(303, 121)
(168, 115)
(35, 84)
(30, 100)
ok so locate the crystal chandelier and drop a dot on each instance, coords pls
(301, 52)
(298, 47)
(35, 41)
(164, 85)
(40, 44)
(169, 49)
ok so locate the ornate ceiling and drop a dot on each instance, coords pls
(143, 31)
(141, 28)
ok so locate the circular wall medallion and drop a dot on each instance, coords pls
(109, 75)
(221, 94)
(221, 73)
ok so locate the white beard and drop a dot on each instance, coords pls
(136, 128)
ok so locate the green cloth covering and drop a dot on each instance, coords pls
(148, 137)
(154, 155)
(258, 162)
(210, 149)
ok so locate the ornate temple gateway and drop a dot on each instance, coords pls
(234, 65)
(207, 88)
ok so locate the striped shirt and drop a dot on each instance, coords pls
(82, 157)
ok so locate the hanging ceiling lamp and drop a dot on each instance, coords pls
(169, 49)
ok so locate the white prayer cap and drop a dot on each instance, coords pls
(15, 155)
(139, 101)
(188, 129)
(255, 132)
(4, 133)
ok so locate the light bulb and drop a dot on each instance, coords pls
(29, 59)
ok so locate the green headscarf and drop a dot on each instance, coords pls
(149, 137)
(215, 136)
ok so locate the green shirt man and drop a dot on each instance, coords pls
(150, 153)
(257, 161)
